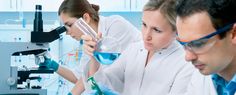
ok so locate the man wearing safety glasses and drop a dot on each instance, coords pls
(207, 31)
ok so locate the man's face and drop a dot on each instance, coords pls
(210, 56)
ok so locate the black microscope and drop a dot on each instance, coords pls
(11, 76)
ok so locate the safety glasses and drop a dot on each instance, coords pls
(205, 43)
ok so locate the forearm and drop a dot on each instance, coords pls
(93, 67)
(67, 74)
(78, 89)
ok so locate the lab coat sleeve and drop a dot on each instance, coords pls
(113, 76)
(182, 80)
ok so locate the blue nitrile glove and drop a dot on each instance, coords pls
(49, 63)
(105, 90)
(69, 93)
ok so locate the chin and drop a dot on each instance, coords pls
(148, 48)
(77, 39)
(205, 72)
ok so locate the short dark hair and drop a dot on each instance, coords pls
(221, 12)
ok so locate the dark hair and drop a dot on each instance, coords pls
(221, 12)
(76, 8)
(166, 7)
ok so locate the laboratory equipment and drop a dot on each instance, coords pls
(99, 89)
(108, 48)
(94, 85)
(38, 21)
(12, 76)
(106, 58)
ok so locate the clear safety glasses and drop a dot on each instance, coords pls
(205, 43)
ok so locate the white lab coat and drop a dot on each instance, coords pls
(201, 85)
(116, 27)
(166, 73)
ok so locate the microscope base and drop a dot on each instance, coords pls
(24, 92)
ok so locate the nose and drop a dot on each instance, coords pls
(147, 35)
(189, 55)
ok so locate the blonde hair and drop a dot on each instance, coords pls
(166, 7)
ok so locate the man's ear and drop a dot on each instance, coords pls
(86, 17)
(234, 34)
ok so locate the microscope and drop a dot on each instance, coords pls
(11, 76)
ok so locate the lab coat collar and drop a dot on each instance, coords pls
(171, 48)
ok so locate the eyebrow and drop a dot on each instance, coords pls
(143, 22)
(181, 40)
(152, 27)
(66, 23)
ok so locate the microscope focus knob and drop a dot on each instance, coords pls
(11, 81)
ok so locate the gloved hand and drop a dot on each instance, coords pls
(49, 63)
(105, 91)
(69, 93)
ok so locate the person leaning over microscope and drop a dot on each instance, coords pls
(112, 26)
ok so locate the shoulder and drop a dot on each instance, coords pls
(134, 47)
(176, 57)
(116, 23)
(138, 45)
(201, 84)
(177, 51)
(200, 79)
(114, 19)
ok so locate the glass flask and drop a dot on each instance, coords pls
(108, 48)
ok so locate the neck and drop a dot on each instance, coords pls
(94, 25)
(149, 56)
(229, 71)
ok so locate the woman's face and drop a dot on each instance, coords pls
(72, 30)
(156, 30)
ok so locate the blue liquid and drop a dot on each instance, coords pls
(106, 58)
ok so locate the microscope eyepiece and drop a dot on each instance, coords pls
(60, 29)
(38, 7)
(37, 35)
(38, 20)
